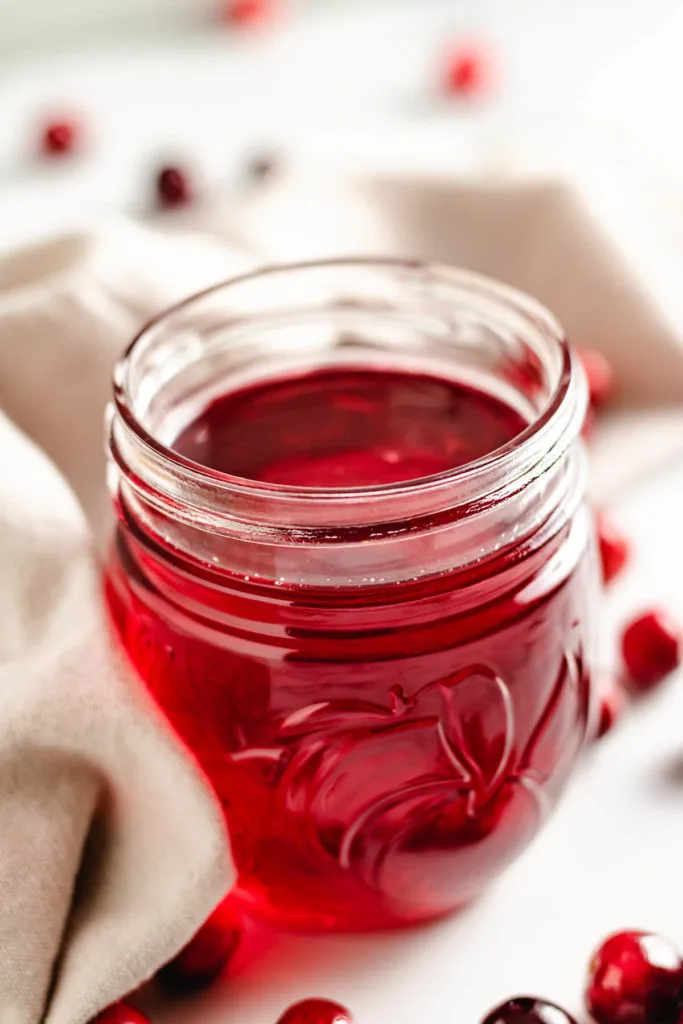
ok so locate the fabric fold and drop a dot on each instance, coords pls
(112, 850)
(67, 309)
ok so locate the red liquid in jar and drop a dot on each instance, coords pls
(348, 428)
(382, 751)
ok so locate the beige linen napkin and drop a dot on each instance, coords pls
(585, 228)
(577, 222)
(94, 794)
(111, 851)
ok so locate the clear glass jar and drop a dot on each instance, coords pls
(388, 685)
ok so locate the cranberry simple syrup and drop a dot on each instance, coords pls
(348, 428)
(383, 740)
(364, 756)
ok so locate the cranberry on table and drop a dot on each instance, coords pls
(614, 547)
(60, 137)
(466, 72)
(635, 978)
(599, 374)
(205, 957)
(246, 12)
(173, 186)
(651, 649)
(121, 1013)
(316, 1011)
(528, 1010)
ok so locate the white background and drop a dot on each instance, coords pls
(153, 81)
(365, 70)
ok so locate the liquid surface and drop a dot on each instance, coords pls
(348, 428)
(381, 752)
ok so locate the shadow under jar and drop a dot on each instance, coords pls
(355, 567)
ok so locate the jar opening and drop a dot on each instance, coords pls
(346, 425)
(406, 315)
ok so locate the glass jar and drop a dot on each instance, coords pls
(387, 686)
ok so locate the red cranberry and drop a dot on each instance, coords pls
(612, 707)
(247, 12)
(316, 1011)
(466, 73)
(651, 648)
(59, 137)
(599, 374)
(635, 978)
(615, 548)
(121, 1013)
(205, 956)
(527, 1010)
(173, 187)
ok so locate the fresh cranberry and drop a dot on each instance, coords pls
(635, 978)
(247, 12)
(205, 956)
(599, 374)
(121, 1013)
(316, 1011)
(612, 707)
(59, 137)
(615, 548)
(173, 187)
(466, 72)
(651, 649)
(527, 1010)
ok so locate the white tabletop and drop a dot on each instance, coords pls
(358, 76)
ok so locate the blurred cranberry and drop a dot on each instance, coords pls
(599, 374)
(614, 547)
(651, 649)
(121, 1013)
(205, 956)
(467, 72)
(261, 167)
(612, 707)
(635, 978)
(316, 1011)
(528, 1010)
(247, 12)
(173, 187)
(59, 138)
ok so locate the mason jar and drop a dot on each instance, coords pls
(381, 660)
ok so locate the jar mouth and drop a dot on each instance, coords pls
(561, 417)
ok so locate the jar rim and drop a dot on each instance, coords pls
(507, 298)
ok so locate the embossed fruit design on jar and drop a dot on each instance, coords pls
(355, 568)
